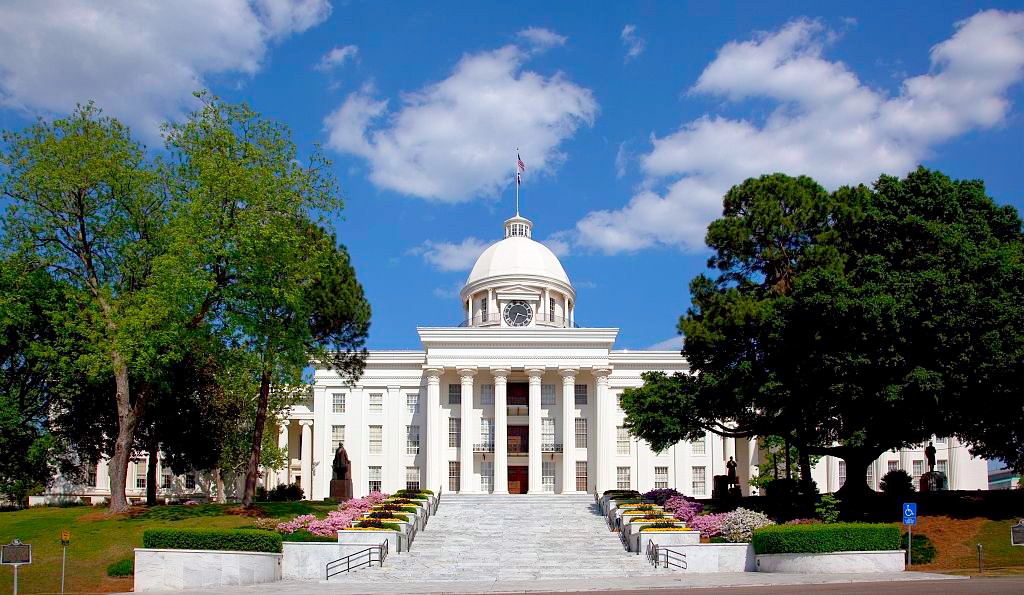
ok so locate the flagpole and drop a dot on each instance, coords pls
(517, 181)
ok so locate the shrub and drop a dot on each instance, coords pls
(663, 525)
(304, 535)
(661, 495)
(718, 539)
(828, 509)
(261, 494)
(709, 525)
(683, 508)
(239, 540)
(923, 551)
(126, 566)
(821, 538)
(897, 483)
(739, 525)
(386, 514)
(285, 493)
(378, 524)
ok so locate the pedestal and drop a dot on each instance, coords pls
(341, 489)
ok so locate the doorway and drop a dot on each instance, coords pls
(518, 479)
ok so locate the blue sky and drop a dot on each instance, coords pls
(633, 118)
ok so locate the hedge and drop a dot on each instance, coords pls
(238, 540)
(821, 538)
(303, 535)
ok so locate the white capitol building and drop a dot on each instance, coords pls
(517, 399)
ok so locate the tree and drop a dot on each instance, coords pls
(850, 323)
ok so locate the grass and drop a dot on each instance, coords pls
(956, 545)
(99, 540)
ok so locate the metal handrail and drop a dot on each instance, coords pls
(347, 561)
(551, 447)
(622, 538)
(658, 556)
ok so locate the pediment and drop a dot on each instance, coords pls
(517, 292)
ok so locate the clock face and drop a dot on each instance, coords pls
(518, 313)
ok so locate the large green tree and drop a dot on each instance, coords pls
(851, 322)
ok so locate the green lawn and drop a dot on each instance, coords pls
(97, 540)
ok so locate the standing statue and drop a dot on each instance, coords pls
(341, 479)
(929, 454)
(731, 466)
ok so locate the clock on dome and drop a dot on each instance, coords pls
(518, 313)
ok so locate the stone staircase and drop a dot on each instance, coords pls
(515, 537)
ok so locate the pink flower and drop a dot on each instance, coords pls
(709, 525)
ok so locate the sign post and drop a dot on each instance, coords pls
(909, 519)
(65, 539)
(15, 554)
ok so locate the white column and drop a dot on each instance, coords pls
(393, 476)
(500, 430)
(546, 306)
(282, 443)
(603, 433)
(466, 446)
(307, 457)
(568, 429)
(432, 458)
(535, 435)
(322, 457)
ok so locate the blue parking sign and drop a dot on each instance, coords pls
(910, 513)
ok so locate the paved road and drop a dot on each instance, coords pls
(1003, 585)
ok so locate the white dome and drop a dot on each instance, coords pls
(517, 256)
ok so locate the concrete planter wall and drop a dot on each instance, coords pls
(176, 570)
(632, 531)
(666, 538)
(307, 561)
(368, 538)
(881, 561)
(718, 557)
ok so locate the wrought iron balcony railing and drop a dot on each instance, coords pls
(483, 448)
(551, 447)
(494, 319)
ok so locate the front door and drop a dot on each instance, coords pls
(518, 479)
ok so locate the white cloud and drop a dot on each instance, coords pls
(447, 256)
(337, 57)
(140, 61)
(671, 344)
(450, 291)
(558, 243)
(622, 158)
(634, 44)
(454, 140)
(542, 39)
(827, 124)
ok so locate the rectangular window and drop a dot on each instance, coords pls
(547, 395)
(940, 440)
(91, 473)
(660, 478)
(622, 478)
(487, 476)
(698, 483)
(842, 473)
(918, 468)
(376, 440)
(551, 309)
(412, 478)
(547, 431)
(453, 476)
(581, 394)
(699, 446)
(892, 466)
(454, 394)
(487, 432)
(483, 309)
(547, 476)
(870, 478)
(412, 440)
(140, 474)
(375, 479)
(165, 479)
(486, 394)
(412, 403)
(940, 466)
(581, 432)
(376, 402)
(338, 402)
(454, 432)
(621, 440)
(337, 438)
(581, 476)
(190, 481)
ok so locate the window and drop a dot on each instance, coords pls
(621, 440)
(660, 478)
(699, 446)
(453, 476)
(581, 476)
(165, 479)
(842, 473)
(581, 394)
(486, 394)
(547, 395)
(940, 466)
(376, 440)
(487, 432)
(91, 473)
(698, 484)
(940, 440)
(547, 431)
(454, 394)
(337, 437)
(892, 465)
(338, 402)
(547, 476)
(483, 309)
(412, 478)
(918, 468)
(487, 476)
(551, 309)
(581, 432)
(454, 432)
(375, 481)
(140, 474)
(870, 478)
(376, 402)
(190, 481)
(622, 478)
(412, 440)
(412, 403)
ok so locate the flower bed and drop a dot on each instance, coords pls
(336, 520)
(823, 538)
(659, 529)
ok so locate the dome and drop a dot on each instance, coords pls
(518, 255)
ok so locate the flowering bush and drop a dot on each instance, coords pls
(683, 508)
(709, 525)
(738, 525)
(661, 495)
(336, 520)
(802, 522)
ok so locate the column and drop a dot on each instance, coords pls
(307, 457)
(282, 443)
(535, 436)
(393, 476)
(568, 429)
(432, 446)
(500, 429)
(466, 446)
(604, 475)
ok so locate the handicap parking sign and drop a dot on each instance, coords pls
(910, 513)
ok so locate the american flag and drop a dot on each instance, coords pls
(520, 168)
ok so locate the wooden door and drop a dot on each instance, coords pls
(518, 479)
(518, 394)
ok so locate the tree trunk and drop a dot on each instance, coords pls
(154, 453)
(805, 470)
(789, 464)
(857, 461)
(252, 474)
(127, 420)
(218, 480)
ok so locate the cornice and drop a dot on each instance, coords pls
(469, 337)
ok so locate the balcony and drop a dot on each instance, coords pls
(494, 319)
(551, 447)
(518, 409)
(483, 448)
